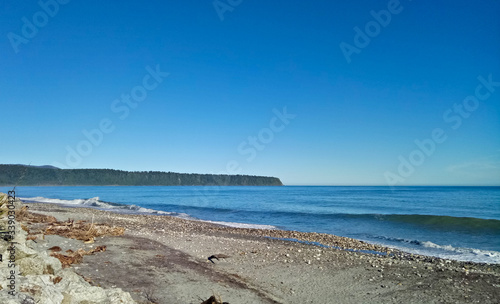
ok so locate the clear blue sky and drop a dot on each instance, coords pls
(355, 103)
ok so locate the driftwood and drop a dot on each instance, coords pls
(24, 215)
(217, 257)
(76, 257)
(81, 230)
(55, 248)
(214, 300)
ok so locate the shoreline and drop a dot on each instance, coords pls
(323, 240)
(264, 266)
(382, 248)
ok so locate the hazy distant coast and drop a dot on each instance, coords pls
(22, 175)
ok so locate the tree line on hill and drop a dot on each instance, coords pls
(22, 175)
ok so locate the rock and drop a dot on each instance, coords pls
(41, 289)
(21, 251)
(5, 298)
(41, 279)
(52, 265)
(3, 245)
(31, 265)
(116, 295)
(80, 293)
(39, 264)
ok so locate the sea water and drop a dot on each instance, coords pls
(461, 223)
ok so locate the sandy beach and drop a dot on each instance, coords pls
(163, 259)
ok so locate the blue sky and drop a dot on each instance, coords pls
(313, 92)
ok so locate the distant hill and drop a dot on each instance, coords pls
(45, 166)
(26, 175)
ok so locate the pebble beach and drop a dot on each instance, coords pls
(164, 259)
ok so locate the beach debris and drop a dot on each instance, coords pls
(24, 215)
(82, 230)
(214, 300)
(39, 278)
(56, 279)
(23, 212)
(87, 279)
(149, 295)
(98, 249)
(55, 248)
(25, 228)
(75, 257)
(217, 257)
(67, 260)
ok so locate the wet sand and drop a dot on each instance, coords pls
(165, 259)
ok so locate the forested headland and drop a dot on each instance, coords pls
(23, 175)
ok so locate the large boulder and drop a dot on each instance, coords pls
(81, 294)
(41, 288)
(39, 264)
(116, 295)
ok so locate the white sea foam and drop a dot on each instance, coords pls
(96, 203)
(452, 253)
(242, 225)
(134, 209)
(87, 202)
(466, 254)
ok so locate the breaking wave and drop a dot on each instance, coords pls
(95, 202)
(442, 251)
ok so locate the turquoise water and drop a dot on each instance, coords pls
(462, 223)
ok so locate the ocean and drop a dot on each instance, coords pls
(460, 223)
